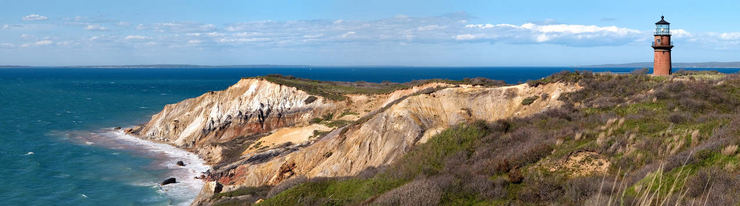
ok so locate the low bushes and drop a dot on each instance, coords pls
(644, 126)
(337, 90)
(529, 100)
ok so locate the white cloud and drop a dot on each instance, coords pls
(7, 45)
(680, 33)
(542, 38)
(730, 36)
(95, 27)
(254, 25)
(136, 37)
(480, 26)
(348, 34)
(559, 28)
(38, 43)
(242, 40)
(77, 18)
(313, 36)
(465, 37)
(399, 30)
(43, 42)
(215, 34)
(34, 17)
(232, 28)
(246, 34)
(428, 30)
(65, 43)
(565, 34)
(578, 29)
(5, 27)
(430, 27)
(180, 27)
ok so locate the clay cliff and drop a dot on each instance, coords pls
(258, 132)
(251, 106)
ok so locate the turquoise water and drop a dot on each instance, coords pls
(51, 117)
(57, 146)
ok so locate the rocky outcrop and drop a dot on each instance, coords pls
(169, 181)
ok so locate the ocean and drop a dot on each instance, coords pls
(58, 146)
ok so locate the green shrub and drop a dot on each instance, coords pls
(254, 191)
(317, 134)
(338, 123)
(529, 100)
(333, 90)
(348, 112)
(327, 116)
(563, 76)
(310, 99)
(333, 191)
(315, 120)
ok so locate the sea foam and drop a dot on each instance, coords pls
(187, 187)
(165, 157)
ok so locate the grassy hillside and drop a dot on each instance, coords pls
(338, 90)
(622, 140)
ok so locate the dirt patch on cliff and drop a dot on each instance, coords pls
(582, 164)
(292, 135)
(364, 104)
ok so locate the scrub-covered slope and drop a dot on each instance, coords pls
(618, 139)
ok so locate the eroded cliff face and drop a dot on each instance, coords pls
(258, 133)
(393, 131)
(251, 106)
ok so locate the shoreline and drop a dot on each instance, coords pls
(163, 156)
(187, 187)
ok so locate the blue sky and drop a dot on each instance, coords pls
(369, 32)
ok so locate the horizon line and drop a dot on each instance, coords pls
(632, 64)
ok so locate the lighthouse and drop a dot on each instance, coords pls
(662, 46)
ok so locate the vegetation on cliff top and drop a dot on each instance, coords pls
(334, 90)
(628, 139)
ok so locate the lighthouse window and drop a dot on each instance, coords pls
(657, 41)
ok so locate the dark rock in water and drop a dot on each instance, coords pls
(180, 163)
(218, 188)
(117, 128)
(128, 130)
(169, 181)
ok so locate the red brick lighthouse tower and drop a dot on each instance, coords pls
(662, 46)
